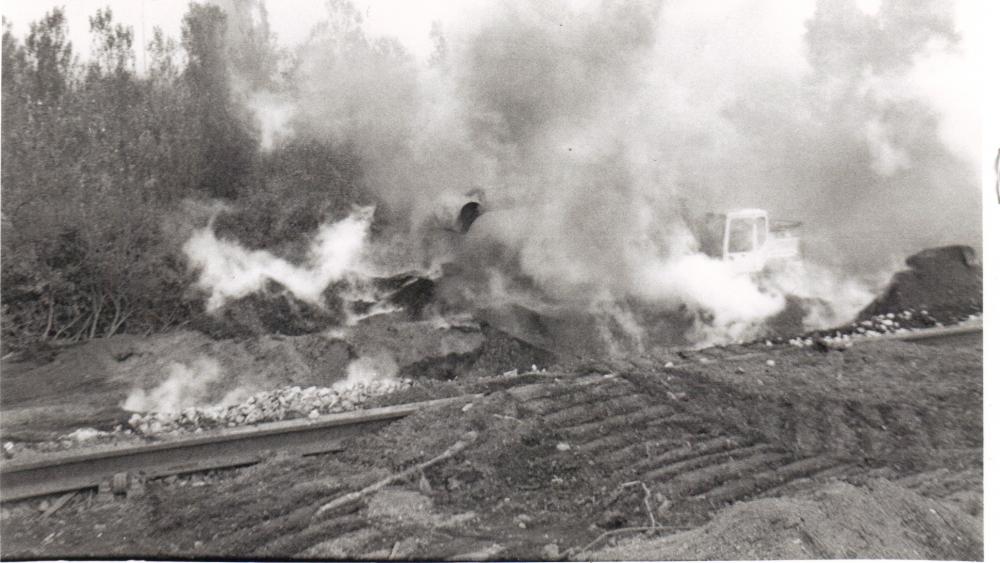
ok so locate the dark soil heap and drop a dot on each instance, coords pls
(946, 281)
(275, 310)
(271, 311)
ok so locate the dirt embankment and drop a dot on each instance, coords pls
(87, 385)
(271, 340)
(759, 452)
(793, 458)
(876, 520)
(946, 282)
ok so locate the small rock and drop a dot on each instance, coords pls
(770, 363)
(424, 485)
(551, 551)
(44, 505)
(612, 519)
(562, 446)
(467, 407)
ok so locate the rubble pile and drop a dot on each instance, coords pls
(266, 406)
(878, 325)
(947, 282)
(273, 310)
(940, 286)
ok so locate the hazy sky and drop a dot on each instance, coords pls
(290, 19)
(944, 79)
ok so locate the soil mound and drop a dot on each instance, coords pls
(947, 282)
(410, 292)
(879, 520)
(273, 310)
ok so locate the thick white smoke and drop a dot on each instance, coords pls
(273, 114)
(606, 127)
(185, 385)
(367, 370)
(227, 270)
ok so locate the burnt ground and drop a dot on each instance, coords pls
(873, 452)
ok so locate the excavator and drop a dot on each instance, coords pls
(749, 239)
(754, 244)
(746, 238)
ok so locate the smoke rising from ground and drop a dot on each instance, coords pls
(227, 270)
(625, 105)
(185, 385)
(599, 132)
(367, 370)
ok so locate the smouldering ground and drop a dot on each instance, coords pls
(872, 452)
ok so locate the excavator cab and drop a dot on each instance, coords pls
(748, 239)
(744, 239)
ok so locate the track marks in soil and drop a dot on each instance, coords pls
(666, 440)
(701, 444)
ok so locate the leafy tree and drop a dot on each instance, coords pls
(96, 155)
(227, 149)
(252, 48)
(112, 51)
(50, 55)
(82, 157)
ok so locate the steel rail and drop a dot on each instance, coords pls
(927, 334)
(231, 447)
(923, 335)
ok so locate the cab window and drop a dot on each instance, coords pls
(741, 235)
(710, 233)
(761, 223)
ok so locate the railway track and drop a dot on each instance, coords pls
(959, 334)
(120, 467)
(947, 334)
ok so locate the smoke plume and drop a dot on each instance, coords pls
(367, 370)
(227, 270)
(598, 133)
(185, 385)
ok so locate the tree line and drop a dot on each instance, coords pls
(101, 164)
